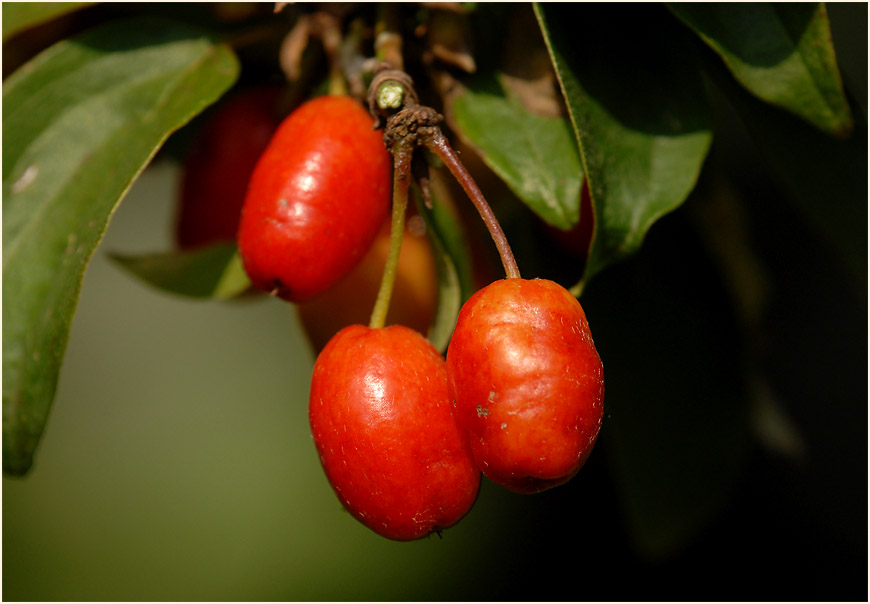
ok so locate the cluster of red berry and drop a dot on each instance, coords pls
(403, 434)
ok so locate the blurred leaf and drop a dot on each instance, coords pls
(825, 177)
(18, 16)
(214, 271)
(781, 52)
(536, 156)
(676, 411)
(80, 122)
(637, 107)
(452, 261)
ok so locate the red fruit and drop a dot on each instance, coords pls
(316, 199)
(526, 382)
(219, 166)
(385, 433)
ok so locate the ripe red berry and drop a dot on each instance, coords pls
(386, 436)
(526, 382)
(316, 199)
(219, 166)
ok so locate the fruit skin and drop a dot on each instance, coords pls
(386, 437)
(415, 293)
(316, 199)
(219, 166)
(526, 382)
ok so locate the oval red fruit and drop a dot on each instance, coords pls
(316, 199)
(386, 436)
(526, 382)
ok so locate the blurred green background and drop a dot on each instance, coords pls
(178, 465)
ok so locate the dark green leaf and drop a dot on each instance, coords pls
(637, 107)
(825, 177)
(211, 272)
(80, 122)
(18, 16)
(536, 156)
(782, 53)
(676, 408)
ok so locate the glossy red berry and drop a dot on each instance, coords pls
(219, 166)
(316, 199)
(386, 436)
(526, 383)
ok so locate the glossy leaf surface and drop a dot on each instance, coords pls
(638, 113)
(80, 122)
(535, 155)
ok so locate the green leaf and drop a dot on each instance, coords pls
(782, 53)
(80, 122)
(536, 156)
(452, 261)
(637, 107)
(214, 271)
(18, 16)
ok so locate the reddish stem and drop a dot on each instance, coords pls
(437, 143)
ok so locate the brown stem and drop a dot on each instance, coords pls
(437, 143)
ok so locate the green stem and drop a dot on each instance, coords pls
(402, 153)
(577, 289)
(437, 143)
(337, 85)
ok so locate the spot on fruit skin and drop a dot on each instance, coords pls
(481, 412)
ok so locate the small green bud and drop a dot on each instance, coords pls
(391, 95)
